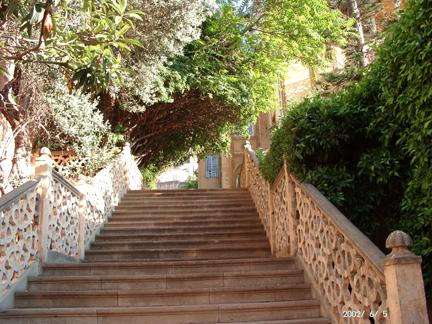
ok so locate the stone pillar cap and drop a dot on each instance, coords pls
(398, 239)
(45, 151)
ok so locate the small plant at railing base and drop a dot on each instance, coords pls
(368, 147)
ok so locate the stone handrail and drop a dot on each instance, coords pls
(19, 232)
(52, 219)
(354, 280)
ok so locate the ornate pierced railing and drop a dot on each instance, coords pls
(50, 217)
(354, 280)
(19, 232)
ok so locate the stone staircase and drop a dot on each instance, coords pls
(179, 256)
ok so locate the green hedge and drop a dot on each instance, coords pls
(369, 148)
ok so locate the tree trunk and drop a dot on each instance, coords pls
(357, 16)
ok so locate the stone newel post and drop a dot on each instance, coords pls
(405, 289)
(43, 169)
(127, 156)
(247, 149)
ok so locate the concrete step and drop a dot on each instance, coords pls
(221, 313)
(249, 279)
(134, 244)
(169, 267)
(256, 250)
(158, 297)
(253, 234)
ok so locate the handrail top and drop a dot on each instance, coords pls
(15, 194)
(57, 176)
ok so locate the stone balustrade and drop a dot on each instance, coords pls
(51, 219)
(353, 279)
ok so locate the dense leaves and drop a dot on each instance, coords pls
(224, 79)
(369, 147)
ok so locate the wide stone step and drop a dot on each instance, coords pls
(257, 250)
(253, 234)
(133, 244)
(316, 320)
(168, 267)
(189, 192)
(190, 223)
(220, 313)
(184, 205)
(186, 199)
(163, 281)
(202, 195)
(208, 210)
(179, 229)
(176, 218)
(181, 214)
(114, 298)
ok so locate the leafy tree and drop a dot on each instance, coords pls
(99, 47)
(228, 76)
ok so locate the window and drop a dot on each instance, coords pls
(212, 166)
(251, 130)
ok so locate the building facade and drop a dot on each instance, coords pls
(223, 170)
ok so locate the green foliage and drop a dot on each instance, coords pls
(232, 71)
(191, 182)
(150, 174)
(87, 38)
(80, 126)
(368, 148)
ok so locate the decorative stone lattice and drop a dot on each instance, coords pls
(63, 224)
(347, 279)
(94, 219)
(280, 212)
(352, 286)
(258, 188)
(106, 190)
(19, 235)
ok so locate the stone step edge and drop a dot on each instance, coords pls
(211, 241)
(163, 236)
(180, 263)
(257, 225)
(189, 276)
(156, 292)
(263, 246)
(150, 310)
(315, 320)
